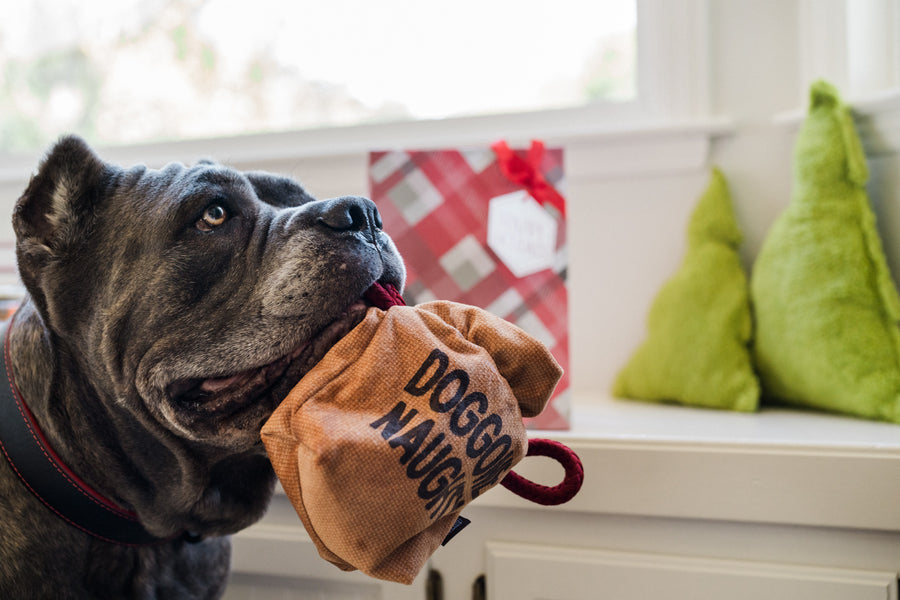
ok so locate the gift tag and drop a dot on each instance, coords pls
(521, 233)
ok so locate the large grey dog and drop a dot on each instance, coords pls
(168, 312)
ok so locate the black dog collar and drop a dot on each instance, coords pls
(51, 481)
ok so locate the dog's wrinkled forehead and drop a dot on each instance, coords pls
(162, 192)
(207, 180)
(204, 175)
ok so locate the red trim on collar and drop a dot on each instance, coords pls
(44, 473)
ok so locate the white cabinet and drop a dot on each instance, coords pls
(692, 504)
(276, 560)
(530, 572)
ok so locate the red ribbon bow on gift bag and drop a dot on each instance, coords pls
(527, 173)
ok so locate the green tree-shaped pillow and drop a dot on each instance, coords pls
(825, 305)
(699, 326)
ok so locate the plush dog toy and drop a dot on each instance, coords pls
(408, 418)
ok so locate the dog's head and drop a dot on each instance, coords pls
(195, 297)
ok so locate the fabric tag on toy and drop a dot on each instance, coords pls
(460, 524)
(522, 233)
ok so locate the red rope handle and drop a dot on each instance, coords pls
(547, 495)
(384, 296)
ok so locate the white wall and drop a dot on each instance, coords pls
(755, 75)
(628, 233)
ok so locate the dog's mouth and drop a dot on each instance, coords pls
(267, 385)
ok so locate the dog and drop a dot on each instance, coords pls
(167, 313)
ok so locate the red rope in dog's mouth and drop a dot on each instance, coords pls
(384, 296)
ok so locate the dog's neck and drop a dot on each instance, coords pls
(52, 396)
(31, 360)
(137, 468)
(47, 476)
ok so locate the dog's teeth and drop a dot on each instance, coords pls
(217, 385)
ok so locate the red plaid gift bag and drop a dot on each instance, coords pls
(484, 227)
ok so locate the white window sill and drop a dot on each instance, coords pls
(877, 118)
(614, 148)
(628, 421)
(776, 466)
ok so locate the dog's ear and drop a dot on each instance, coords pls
(56, 208)
(60, 195)
(281, 192)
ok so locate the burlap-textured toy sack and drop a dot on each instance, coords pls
(407, 419)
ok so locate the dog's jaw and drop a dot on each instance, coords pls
(220, 404)
(224, 396)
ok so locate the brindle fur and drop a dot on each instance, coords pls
(126, 298)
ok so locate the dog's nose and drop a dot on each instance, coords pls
(350, 213)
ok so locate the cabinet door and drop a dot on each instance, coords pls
(276, 560)
(531, 572)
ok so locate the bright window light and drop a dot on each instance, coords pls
(129, 71)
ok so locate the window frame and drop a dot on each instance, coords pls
(673, 100)
(854, 45)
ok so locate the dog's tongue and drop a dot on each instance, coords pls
(384, 296)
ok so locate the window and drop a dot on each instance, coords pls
(133, 71)
(853, 44)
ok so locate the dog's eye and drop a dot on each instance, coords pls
(214, 216)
